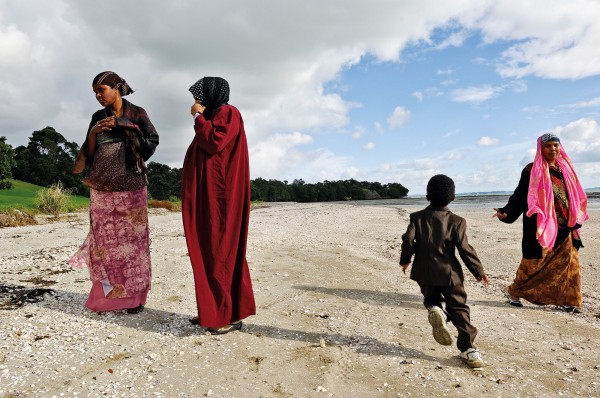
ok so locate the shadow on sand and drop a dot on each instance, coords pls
(392, 299)
(176, 324)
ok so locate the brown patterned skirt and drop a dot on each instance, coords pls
(554, 279)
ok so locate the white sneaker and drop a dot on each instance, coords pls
(472, 357)
(437, 319)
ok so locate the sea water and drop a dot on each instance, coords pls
(480, 201)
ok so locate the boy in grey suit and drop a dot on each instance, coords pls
(432, 236)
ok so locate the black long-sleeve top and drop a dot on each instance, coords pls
(517, 205)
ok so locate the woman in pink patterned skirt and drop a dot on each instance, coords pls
(120, 138)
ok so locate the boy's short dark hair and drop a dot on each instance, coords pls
(440, 190)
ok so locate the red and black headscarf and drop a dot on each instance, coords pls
(113, 80)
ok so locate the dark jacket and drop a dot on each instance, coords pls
(517, 205)
(134, 123)
(432, 236)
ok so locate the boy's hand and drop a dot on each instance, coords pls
(483, 279)
(404, 267)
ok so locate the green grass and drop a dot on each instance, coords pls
(23, 197)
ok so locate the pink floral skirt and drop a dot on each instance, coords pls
(117, 250)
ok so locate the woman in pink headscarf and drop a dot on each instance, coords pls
(555, 207)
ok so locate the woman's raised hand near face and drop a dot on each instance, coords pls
(197, 108)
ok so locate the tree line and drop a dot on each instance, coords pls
(326, 191)
(48, 158)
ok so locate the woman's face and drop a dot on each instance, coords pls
(550, 151)
(105, 95)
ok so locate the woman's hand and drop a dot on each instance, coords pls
(103, 125)
(499, 214)
(197, 108)
(483, 279)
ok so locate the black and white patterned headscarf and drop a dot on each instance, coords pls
(549, 137)
(113, 80)
(212, 92)
(198, 91)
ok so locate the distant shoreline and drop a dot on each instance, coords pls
(591, 193)
(482, 200)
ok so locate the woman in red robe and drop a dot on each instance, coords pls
(215, 194)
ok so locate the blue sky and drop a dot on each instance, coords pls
(385, 91)
(453, 102)
(455, 99)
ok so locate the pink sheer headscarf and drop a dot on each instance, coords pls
(540, 197)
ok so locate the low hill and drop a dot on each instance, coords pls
(23, 195)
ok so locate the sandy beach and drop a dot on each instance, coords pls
(336, 316)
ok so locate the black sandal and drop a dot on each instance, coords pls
(569, 308)
(514, 303)
(136, 310)
(226, 329)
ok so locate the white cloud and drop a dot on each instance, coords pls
(528, 158)
(488, 141)
(359, 132)
(588, 174)
(453, 156)
(450, 133)
(279, 58)
(532, 108)
(16, 49)
(399, 117)
(518, 86)
(277, 67)
(369, 146)
(413, 174)
(448, 71)
(430, 92)
(449, 82)
(454, 40)
(278, 154)
(594, 102)
(384, 168)
(581, 140)
(476, 94)
(556, 41)
(325, 165)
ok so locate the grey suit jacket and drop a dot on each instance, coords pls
(432, 237)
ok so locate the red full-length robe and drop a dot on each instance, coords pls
(215, 194)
